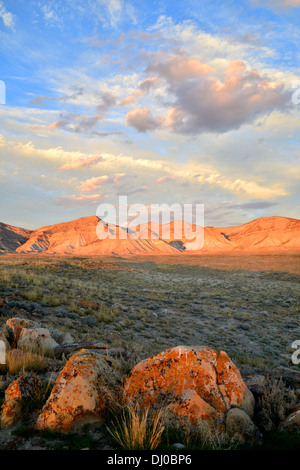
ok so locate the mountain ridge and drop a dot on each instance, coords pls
(79, 237)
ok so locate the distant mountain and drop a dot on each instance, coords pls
(12, 237)
(79, 237)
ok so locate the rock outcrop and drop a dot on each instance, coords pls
(79, 395)
(194, 384)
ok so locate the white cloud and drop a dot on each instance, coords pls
(7, 17)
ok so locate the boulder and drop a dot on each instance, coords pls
(36, 340)
(292, 422)
(240, 426)
(193, 383)
(22, 390)
(79, 395)
(13, 328)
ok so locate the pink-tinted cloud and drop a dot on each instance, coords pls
(202, 101)
(130, 99)
(86, 162)
(142, 120)
(179, 68)
(117, 177)
(53, 125)
(76, 200)
(166, 179)
(93, 184)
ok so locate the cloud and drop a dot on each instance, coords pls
(78, 200)
(179, 69)
(257, 205)
(140, 189)
(81, 162)
(279, 3)
(7, 17)
(142, 120)
(131, 98)
(166, 179)
(198, 176)
(207, 102)
(144, 87)
(149, 83)
(95, 183)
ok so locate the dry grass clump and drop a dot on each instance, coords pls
(17, 360)
(207, 436)
(107, 314)
(134, 429)
(275, 404)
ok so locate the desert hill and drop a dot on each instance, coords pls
(80, 237)
(12, 237)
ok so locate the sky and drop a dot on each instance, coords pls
(164, 102)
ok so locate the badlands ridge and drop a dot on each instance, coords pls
(79, 237)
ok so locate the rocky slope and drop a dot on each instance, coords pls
(80, 237)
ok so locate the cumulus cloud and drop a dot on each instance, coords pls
(206, 101)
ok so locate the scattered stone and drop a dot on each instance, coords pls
(178, 445)
(193, 383)
(22, 390)
(80, 393)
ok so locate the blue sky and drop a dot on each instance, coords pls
(163, 101)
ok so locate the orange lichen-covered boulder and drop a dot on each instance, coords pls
(192, 383)
(79, 395)
(13, 328)
(22, 390)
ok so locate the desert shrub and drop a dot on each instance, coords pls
(275, 404)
